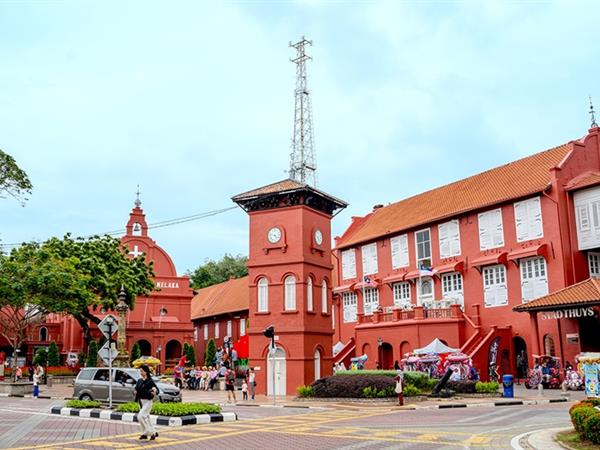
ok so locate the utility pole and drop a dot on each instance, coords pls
(303, 167)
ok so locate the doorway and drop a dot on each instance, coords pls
(280, 377)
(588, 333)
(521, 360)
(387, 356)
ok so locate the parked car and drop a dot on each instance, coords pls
(92, 384)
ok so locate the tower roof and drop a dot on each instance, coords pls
(288, 193)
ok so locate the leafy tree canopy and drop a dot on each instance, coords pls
(13, 180)
(214, 272)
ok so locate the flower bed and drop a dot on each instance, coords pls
(585, 417)
(173, 409)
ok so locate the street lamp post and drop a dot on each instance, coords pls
(158, 350)
(269, 332)
(110, 323)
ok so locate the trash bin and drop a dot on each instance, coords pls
(507, 382)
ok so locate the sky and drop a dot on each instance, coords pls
(194, 102)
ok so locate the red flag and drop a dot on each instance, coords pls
(242, 347)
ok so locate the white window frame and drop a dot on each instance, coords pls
(243, 326)
(453, 288)
(324, 302)
(217, 330)
(229, 328)
(425, 299)
(370, 300)
(422, 259)
(449, 238)
(309, 295)
(348, 264)
(289, 293)
(401, 292)
(263, 295)
(369, 258)
(528, 219)
(495, 288)
(349, 305)
(587, 217)
(399, 250)
(594, 264)
(332, 316)
(491, 228)
(206, 332)
(534, 278)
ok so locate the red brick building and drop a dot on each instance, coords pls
(160, 321)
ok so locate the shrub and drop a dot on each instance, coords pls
(350, 386)
(136, 352)
(462, 387)
(387, 373)
(169, 371)
(211, 353)
(578, 417)
(92, 356)
(82, 404)
(190, 353)
(409, 390)
(373, 392)
(591, 428)
(62, 371)
(53, 355)
(41, 357)
(489, 387)
(304, 391)
(419, 380)
(173, 409)
(584, 403)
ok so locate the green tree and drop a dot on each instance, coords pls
(40, 357)
(136, 352)
(214, 272)
(53, 355)
(33, 283)
(92, 356)
(211, 352)
(13, 180)
(188, 350)
(107, 266)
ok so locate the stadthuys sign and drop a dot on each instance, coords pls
(572, 313)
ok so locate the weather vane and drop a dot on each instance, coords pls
(592, 113)
(138, 202)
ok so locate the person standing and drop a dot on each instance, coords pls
(398, 380)
(177, 376)
(230, 385)
(245, 390)
(36, 385)
(145, 391)
(252, 382)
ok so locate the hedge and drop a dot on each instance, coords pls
(578, 417)
(173, 409)
(83, 404)
(387, 373)
(304, 391)
(350, 386)
(591, 427)
(418, 379)
(489, 387)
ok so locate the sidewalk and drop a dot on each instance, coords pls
(538, 440)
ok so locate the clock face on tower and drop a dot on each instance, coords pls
(274, 235)
(318, 237)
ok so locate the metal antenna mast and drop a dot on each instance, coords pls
(303, 167)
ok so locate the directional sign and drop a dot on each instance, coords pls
(103, 326)
(105, 352)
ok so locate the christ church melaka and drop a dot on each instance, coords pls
(159, 323)
(500, 265)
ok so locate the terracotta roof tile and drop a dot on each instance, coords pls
(584, 292)
(280, 186)
(513, 180)
(584, 180)
(222, 298)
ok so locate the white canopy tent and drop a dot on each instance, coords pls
(435, 346)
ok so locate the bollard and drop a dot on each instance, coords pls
(541, 389)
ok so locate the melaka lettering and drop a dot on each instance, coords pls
(572, 313)
(167, 284)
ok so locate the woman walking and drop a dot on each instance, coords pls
(145, 391)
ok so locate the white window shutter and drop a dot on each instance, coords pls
(454, 238)
(527, 290)
(498, 239)
(444, 238)
(485, 235)
(403, 250)
(348, 264)
(489, 296)
(541, 286)
(521, 222)
(535, 218)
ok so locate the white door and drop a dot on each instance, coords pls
(280, 379)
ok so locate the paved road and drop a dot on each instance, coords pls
(24, 423)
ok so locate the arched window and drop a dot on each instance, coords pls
(324, 307)
(317, 364)
(263, 295)
(137, 229)
(290, 293)
(549, 345)
(309, 294)
(43, 334)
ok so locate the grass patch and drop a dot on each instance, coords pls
(83, 404)
(173, 409)
(572, 440)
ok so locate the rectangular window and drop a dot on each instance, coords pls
(491, 234)
(243, 326)
(423, 244)
(229, 328)
(402, 294)
(495, 292)
(333, 316)
(425, 291)
(594, 264)
(528, 219)
(309, 295)
(399, 249)
(534, 281)
(349, 304)
(371, 300)
(449, 236)
(324, 308)
(348, 264)
(263, 295)
(452, 288)
(369, 258)
(206, 332)
(587, 216)
(217, 330)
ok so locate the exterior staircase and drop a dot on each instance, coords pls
(344, 355)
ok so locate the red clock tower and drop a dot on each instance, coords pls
(290, 280)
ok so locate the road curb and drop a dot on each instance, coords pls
(496, 404)
(156, 420)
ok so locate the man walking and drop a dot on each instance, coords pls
(230, 385)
